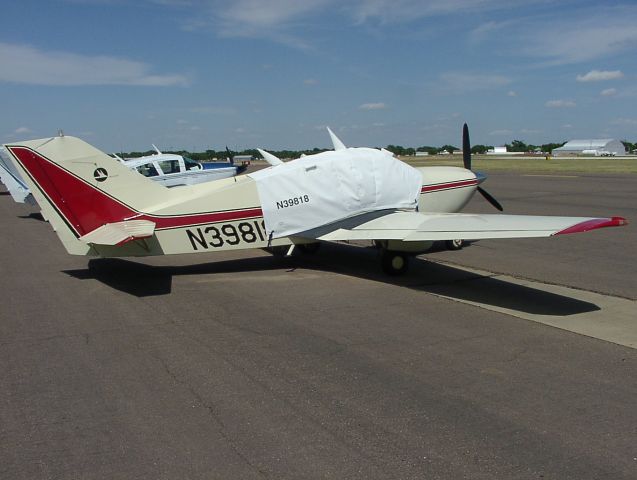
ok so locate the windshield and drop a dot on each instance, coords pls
(191, 164)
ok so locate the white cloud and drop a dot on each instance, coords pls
(276, 19)
(395, 11)
(586, 34)
(608, 92)
(373, 106)
(560, 104)
(28, 65)
(600, 75)
(310, 81)
(269, 14)
(269, 19)
(265, 13)
(18, 132)
(511, 93)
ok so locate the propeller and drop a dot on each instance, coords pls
(466, 160)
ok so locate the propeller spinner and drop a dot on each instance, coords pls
(466, 160)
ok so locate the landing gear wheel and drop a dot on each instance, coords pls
(394, 263)
(456, 244)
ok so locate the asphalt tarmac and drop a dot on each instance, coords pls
(243, 365)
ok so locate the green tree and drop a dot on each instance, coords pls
(429, 150)
(549, 147)
(480, 149)
(448, 148)
(517, 146)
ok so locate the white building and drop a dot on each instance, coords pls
(501, 151)
(595, 147)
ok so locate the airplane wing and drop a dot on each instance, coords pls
(414, 226)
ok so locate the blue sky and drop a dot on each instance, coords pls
(197, 74)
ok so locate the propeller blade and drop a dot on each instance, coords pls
(490, 199)
(466, 147)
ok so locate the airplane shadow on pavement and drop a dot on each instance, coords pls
(33, 216)
(143, 280)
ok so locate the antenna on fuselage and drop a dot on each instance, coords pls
(270, 158)
(338, 145)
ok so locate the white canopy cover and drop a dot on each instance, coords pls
(319, 189)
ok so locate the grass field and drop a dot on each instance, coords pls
(568, 165)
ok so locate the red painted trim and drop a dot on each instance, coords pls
(594, 225)
(448, 185)
(163, 223)
(85, 207)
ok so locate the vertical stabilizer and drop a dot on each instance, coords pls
(80, 188)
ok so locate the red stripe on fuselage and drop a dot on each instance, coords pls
(85, 207)
(448, 186)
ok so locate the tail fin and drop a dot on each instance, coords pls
(81, 188)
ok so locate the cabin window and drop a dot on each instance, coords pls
(169, 166)
(148, 170)
(191, 164)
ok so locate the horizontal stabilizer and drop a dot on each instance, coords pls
(120, 233)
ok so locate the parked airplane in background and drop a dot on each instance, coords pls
(98, 207)
(173, 170)
(12, 179)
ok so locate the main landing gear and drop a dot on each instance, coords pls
(394, 263)
(456, 244)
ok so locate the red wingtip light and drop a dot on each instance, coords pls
(620, 221)
(594, 225)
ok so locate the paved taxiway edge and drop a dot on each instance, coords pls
(614, 321)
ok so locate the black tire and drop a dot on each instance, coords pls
(456, 244)
(394, 263)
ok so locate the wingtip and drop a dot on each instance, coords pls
(594, 224)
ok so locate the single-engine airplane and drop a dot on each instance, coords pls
(99, 207)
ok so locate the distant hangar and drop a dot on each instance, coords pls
(598, 148)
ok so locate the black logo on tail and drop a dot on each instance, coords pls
(100, 174)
